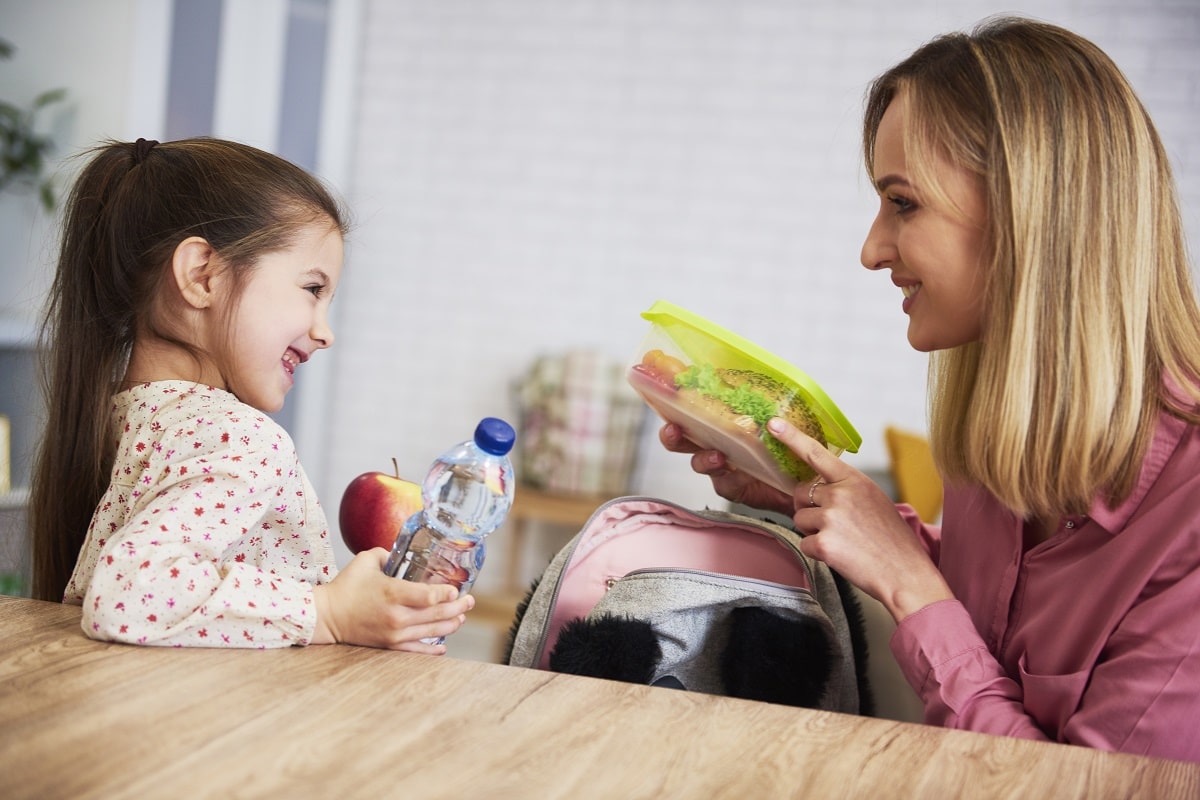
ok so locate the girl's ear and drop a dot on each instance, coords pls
(196, 271)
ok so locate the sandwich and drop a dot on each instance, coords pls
(728, 410)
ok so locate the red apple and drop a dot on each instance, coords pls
(373, 508)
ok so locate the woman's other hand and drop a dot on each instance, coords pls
(852, 525)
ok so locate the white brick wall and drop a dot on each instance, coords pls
(529, 176)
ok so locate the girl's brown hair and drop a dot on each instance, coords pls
(1092, 325)
(130, 207)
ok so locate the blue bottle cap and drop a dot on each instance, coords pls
(494, 436)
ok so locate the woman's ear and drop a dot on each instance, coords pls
(195, 268)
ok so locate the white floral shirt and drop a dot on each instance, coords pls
(209, 534)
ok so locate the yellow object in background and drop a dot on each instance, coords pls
(917, 480)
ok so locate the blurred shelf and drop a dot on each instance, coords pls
(17, 332)
(15, 499)
(496, 609)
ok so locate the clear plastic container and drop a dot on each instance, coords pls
(721, 389)
(467, 495)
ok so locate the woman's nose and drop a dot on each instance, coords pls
(878, 251)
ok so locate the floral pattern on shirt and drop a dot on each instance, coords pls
(209, 534)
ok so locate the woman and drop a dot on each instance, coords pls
(1028, 215)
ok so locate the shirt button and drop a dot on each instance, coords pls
(1070, 524)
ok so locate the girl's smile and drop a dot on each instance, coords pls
(292, 359)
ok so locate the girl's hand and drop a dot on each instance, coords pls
(727, 480)
(853, 526)
(365, 606)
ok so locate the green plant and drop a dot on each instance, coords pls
(22, 149)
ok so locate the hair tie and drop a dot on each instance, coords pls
(140, 148)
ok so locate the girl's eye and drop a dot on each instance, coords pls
(317, 289)
(902, 204)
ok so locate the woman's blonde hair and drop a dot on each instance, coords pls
(1092, 325)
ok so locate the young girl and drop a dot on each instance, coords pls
(194, 280)
(1028, 215)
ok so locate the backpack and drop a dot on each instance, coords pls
(710, 601)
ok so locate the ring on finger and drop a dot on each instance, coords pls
(811, 501)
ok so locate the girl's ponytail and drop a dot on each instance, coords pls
(86, 336)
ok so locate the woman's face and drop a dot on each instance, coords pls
(935, 254)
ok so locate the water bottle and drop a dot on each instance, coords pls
(466, 496)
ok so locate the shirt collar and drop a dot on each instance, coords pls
(1167, 435)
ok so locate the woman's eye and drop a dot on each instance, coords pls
(317, 289)
(902, 204)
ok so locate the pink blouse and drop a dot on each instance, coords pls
(209, 533)
(1091, 637)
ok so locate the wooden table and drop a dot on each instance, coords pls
(81, 719)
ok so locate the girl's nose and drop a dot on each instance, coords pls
(322, 333)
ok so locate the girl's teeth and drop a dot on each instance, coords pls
(909, 291)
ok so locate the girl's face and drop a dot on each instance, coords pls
(282, 317)
(935, 254)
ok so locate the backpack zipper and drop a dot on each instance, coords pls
(773, 586)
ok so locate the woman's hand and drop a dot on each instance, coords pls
(853, 526)
(365, 606)
(729, 482)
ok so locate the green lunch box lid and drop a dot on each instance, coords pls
(705, 342)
